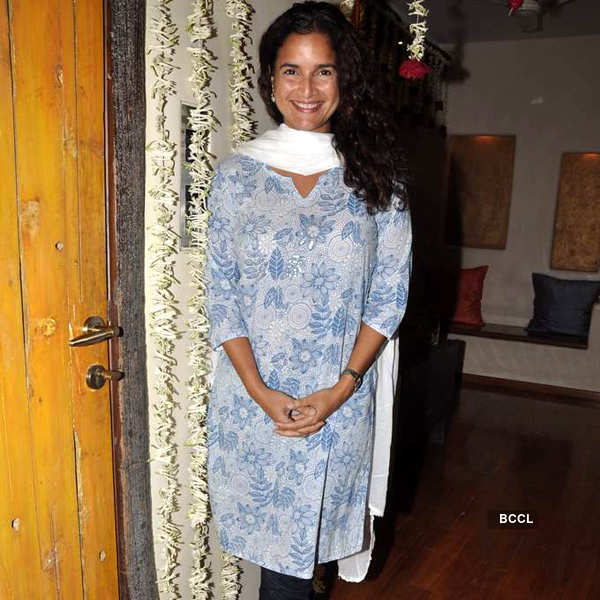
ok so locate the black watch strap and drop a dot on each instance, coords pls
(357, 377)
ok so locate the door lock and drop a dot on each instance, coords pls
(95, 330)
(97, 375)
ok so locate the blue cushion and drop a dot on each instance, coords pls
(562, 305)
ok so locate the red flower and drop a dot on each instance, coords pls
(514, 5)
(413, 69)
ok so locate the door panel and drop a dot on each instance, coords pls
(18, 541)
(57, 427)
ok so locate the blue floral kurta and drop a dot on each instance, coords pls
(296, 276)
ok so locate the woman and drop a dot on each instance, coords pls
(308, 270)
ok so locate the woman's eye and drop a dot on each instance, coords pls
(325, 72)
(289, 72)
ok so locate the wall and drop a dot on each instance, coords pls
(266, 11)
(546, 93)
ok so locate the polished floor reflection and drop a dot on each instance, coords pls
(503, 453)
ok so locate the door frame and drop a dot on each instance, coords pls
(125, 139)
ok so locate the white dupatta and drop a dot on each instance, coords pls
(306, 153)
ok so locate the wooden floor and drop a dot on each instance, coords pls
(502, 453)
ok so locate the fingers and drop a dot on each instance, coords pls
(296, 424)
(312, 428)
(289, 433)
(285, 416)
(303, 403)
(296, 413)
(305, 425)
(303, 432)
(298, 418)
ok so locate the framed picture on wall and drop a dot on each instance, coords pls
(576, 243)
(480, 177)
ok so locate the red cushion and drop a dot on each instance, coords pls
(470, 291)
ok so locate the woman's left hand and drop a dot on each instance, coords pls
(323, 404)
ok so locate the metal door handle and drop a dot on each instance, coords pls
(97, 375)
(95, 330)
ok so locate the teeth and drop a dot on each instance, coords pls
(307, 105)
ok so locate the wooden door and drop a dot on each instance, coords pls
(57, 514)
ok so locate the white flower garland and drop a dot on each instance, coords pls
(163, 312)
(240, 100)
(418, 29)
(347, 6)
(202, 121)
(242, 129)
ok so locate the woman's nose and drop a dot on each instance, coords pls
(307, 87)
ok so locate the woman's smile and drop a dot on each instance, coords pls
(308, 107)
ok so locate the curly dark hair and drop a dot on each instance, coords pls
(364, 130)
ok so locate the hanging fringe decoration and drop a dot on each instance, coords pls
(347, 6)
(242, 129)
(416, 49)
(240, 100)
(230, 577)
(202, 122)
(163, 311)
(413, 67)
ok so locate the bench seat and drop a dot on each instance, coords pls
(519, 334)
(509, 352)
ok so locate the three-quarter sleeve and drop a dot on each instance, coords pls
(224, 305)
(388, 292)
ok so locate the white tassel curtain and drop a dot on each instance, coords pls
(163, 310)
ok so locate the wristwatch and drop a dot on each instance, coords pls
(357, 377)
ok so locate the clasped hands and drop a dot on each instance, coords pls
(300, 417)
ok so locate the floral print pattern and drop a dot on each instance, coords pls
(296, 276)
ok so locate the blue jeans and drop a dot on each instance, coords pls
(276, 586)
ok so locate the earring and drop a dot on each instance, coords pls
(272, 97)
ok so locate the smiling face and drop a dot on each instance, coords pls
(305, 82)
